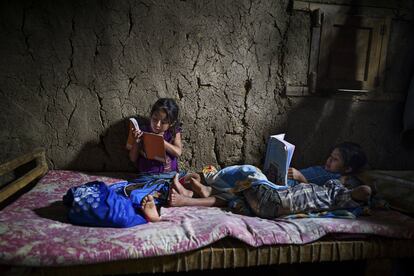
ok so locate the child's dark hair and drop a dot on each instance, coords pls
(171, 109)
(352, 155)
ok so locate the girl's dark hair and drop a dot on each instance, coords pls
(171, 109)
(352, 155)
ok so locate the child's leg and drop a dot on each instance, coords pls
(200, 189)
(186, 180)
(361, 193)
(192, 183)
(177, 200)
(149, 209)
(264, 201)
(176, 185)
(188, 177)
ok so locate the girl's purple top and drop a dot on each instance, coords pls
(153, 166)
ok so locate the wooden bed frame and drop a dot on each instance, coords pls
(224, 254)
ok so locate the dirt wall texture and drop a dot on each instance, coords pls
(73, 72)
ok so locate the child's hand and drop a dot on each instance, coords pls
(293, 173)
(137, 135)
(296, 175)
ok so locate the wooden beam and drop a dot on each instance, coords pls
(41, 168)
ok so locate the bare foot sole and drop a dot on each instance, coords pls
(149, 209)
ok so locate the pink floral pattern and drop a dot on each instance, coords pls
(34, 230)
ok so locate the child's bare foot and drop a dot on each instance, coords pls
(149, 209)
(176, 185)
(200, 189)
(177, 200)
(361, 193)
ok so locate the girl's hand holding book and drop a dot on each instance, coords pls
(137, 135)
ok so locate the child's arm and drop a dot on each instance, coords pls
(296, 175)
(136, 148)
(133, 152)
(176, 147)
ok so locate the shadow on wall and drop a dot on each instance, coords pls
(346, 52)
(408, 117)
(315, 124)
(110, 154)
(318, 123)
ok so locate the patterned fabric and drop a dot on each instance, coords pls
(352, 213)
(264, 201)
(157, 185)
(267, 202)
(34, 230)
(96, 204)
(340, 194)
(117, 205)
(228, 183)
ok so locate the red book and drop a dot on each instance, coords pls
(153, 144)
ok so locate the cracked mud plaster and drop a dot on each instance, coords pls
(77, 70)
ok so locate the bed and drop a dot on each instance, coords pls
(36, 237)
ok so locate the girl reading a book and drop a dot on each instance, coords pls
(164, 120)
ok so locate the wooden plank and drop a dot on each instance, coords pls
(301, 6)
(212, 257)
(393, 11)
(38, 154)
(20, 183)
(41, 168)
(354, 66)
(383, 51)
(326, 35)
(314, 55)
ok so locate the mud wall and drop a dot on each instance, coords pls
(74, 71)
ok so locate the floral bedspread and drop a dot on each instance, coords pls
(34, 230)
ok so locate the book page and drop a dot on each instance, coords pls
(133, 125)
(278, 157)
(131, 139)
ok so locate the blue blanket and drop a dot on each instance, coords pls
(118, 205)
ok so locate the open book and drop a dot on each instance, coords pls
(153, 144)
(278, 156)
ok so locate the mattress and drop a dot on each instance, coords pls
(34, 232)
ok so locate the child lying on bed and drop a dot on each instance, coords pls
(246, 190)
